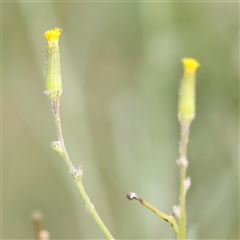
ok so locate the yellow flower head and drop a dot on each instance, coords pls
(190, 64)
(186, 102)
(53, 81)
(52, 37)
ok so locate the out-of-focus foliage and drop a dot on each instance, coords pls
(120, 71)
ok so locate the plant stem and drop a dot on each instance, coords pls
(55, 109)
(76, 173)
(182, 202)
(92, 210)
(53, 85)
(182, 162)
(186, 114)
(37, 218)
(160, 214)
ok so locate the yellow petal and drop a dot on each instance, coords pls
(52, 37)
(190, 64)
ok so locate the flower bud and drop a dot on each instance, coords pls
(186, 103)
(53, 81)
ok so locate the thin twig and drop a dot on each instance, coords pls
(160, 214)
(77, 176)
(64, 153)
(183, 164)
(76, 172)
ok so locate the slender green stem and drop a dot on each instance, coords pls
(182, 162)
(55, 108)
(92, 210)
(182, 202)
(76, 173)
(160, 214)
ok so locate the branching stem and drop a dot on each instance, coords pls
(55, 109)
(76, 173)
(159, 213)
(53, 89)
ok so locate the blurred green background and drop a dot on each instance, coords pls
(121, 66)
